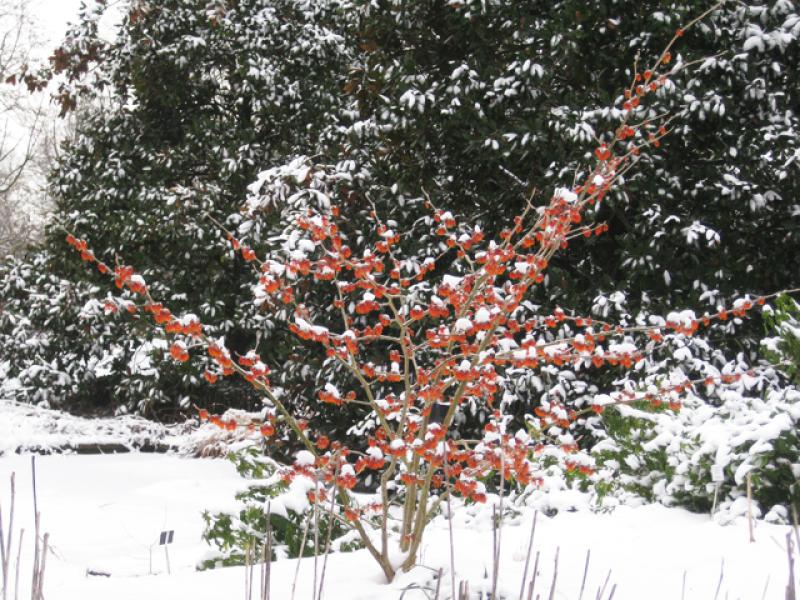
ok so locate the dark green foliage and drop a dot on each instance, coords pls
(784, 349)
(701, 457)
(192, 108)
(476, 105)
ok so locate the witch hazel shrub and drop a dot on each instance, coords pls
(415, 343)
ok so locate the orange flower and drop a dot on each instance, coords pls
(602, 153)
(179, 352)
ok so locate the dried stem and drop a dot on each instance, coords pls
(585, 573)
(750, 524)
(266, 569)
(19, 558)
(791, 587)
(450, 529)
(602, 590)
(316, 538)
(300, 558)
(721, 577)
(528, 556)
(532, 586)
(555, 577)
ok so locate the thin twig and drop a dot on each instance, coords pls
(40, 576)
(602, 590)
(555, 577)
(532, 586)
(248, 571)
(450, 528)
(585, 573)
(613, 591)
(3, 558)
(330, 534)
(6, 550)
(750, 507)
(494, 546)
(19, 557)
(721, 577)
(267, 569)
(766, 585)
(438, 584)
(300, 557)
(36, 550)
(316, 538)
(683, 587)
(528, 556)
(33, 482)
(499, 528)
(791, 589)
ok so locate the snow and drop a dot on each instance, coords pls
(566, 195)
(31, 428)
(104, 513)
(482, 315)
(304, 458)
(463, 325)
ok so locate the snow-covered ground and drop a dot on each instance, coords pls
(104, 514)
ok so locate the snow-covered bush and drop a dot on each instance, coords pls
(290, 510)
(63, 344)
(783, 347)
(42, 343)
(701, 457)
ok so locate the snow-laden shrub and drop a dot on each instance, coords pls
(69, 344)
(701, 457)
(292, 520)
(783, 348)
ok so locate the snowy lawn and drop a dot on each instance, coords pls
(104, 514)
